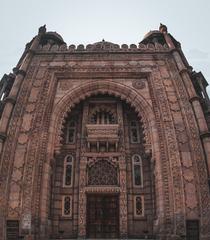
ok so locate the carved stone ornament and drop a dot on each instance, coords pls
(26, 221)
(65, 85)
(139, 84)
(23, 138)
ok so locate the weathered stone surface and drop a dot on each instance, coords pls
(55, 138)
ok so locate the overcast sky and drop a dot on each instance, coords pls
(118, 21)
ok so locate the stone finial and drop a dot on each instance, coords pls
(163, 28)
(42, 29)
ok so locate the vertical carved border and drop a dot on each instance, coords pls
(173, 187)
(82, 179)
(82, 199)
(182, 134)
(9, 150)
(122, 169)
(44, 109)
(198, 155)
(162, 227)
(36, 154)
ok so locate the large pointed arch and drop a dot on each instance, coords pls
(126, 93)
(77, 94)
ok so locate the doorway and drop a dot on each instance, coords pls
(102, 216)
(192, 229)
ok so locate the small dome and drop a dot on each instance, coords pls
(152, 37)
(104, 45)
(53, 36)
(158, 37)
(152, 33)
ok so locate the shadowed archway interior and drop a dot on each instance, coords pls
(95, 133)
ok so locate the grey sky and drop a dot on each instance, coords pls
(119, 21)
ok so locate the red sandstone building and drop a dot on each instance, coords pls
(104, 141)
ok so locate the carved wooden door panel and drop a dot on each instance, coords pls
(192, 230)
(12, 230)
(102, 216)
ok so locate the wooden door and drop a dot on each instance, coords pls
(192, 229)
(12, 230)
(102, 216)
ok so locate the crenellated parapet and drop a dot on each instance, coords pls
(102, 46)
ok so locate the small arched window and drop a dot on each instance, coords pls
(134, 132)
(71, 132)
(68, 171)
(137, 171)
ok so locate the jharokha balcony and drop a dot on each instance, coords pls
(102, 136)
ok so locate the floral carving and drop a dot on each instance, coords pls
(139, 83)
(65, 85)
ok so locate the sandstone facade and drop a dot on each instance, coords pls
(104, 141)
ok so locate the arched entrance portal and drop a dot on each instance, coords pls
(102, 172)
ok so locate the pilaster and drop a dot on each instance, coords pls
(20, 74)
(199, 130)
(196, 105)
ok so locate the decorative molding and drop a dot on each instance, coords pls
(21, 72)
(65, 85)
(101, 189)
(112, 160)
(205, 135)
(23, 138)
(195, 98)
(139, 83)
(102, 71)
(10, 100)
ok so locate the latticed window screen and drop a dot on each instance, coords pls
(139, 206)
(102, 173)
(134, 132)
(137, 170)
(68, 170)
(67, 206)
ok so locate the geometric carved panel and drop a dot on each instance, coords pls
(102, 173)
